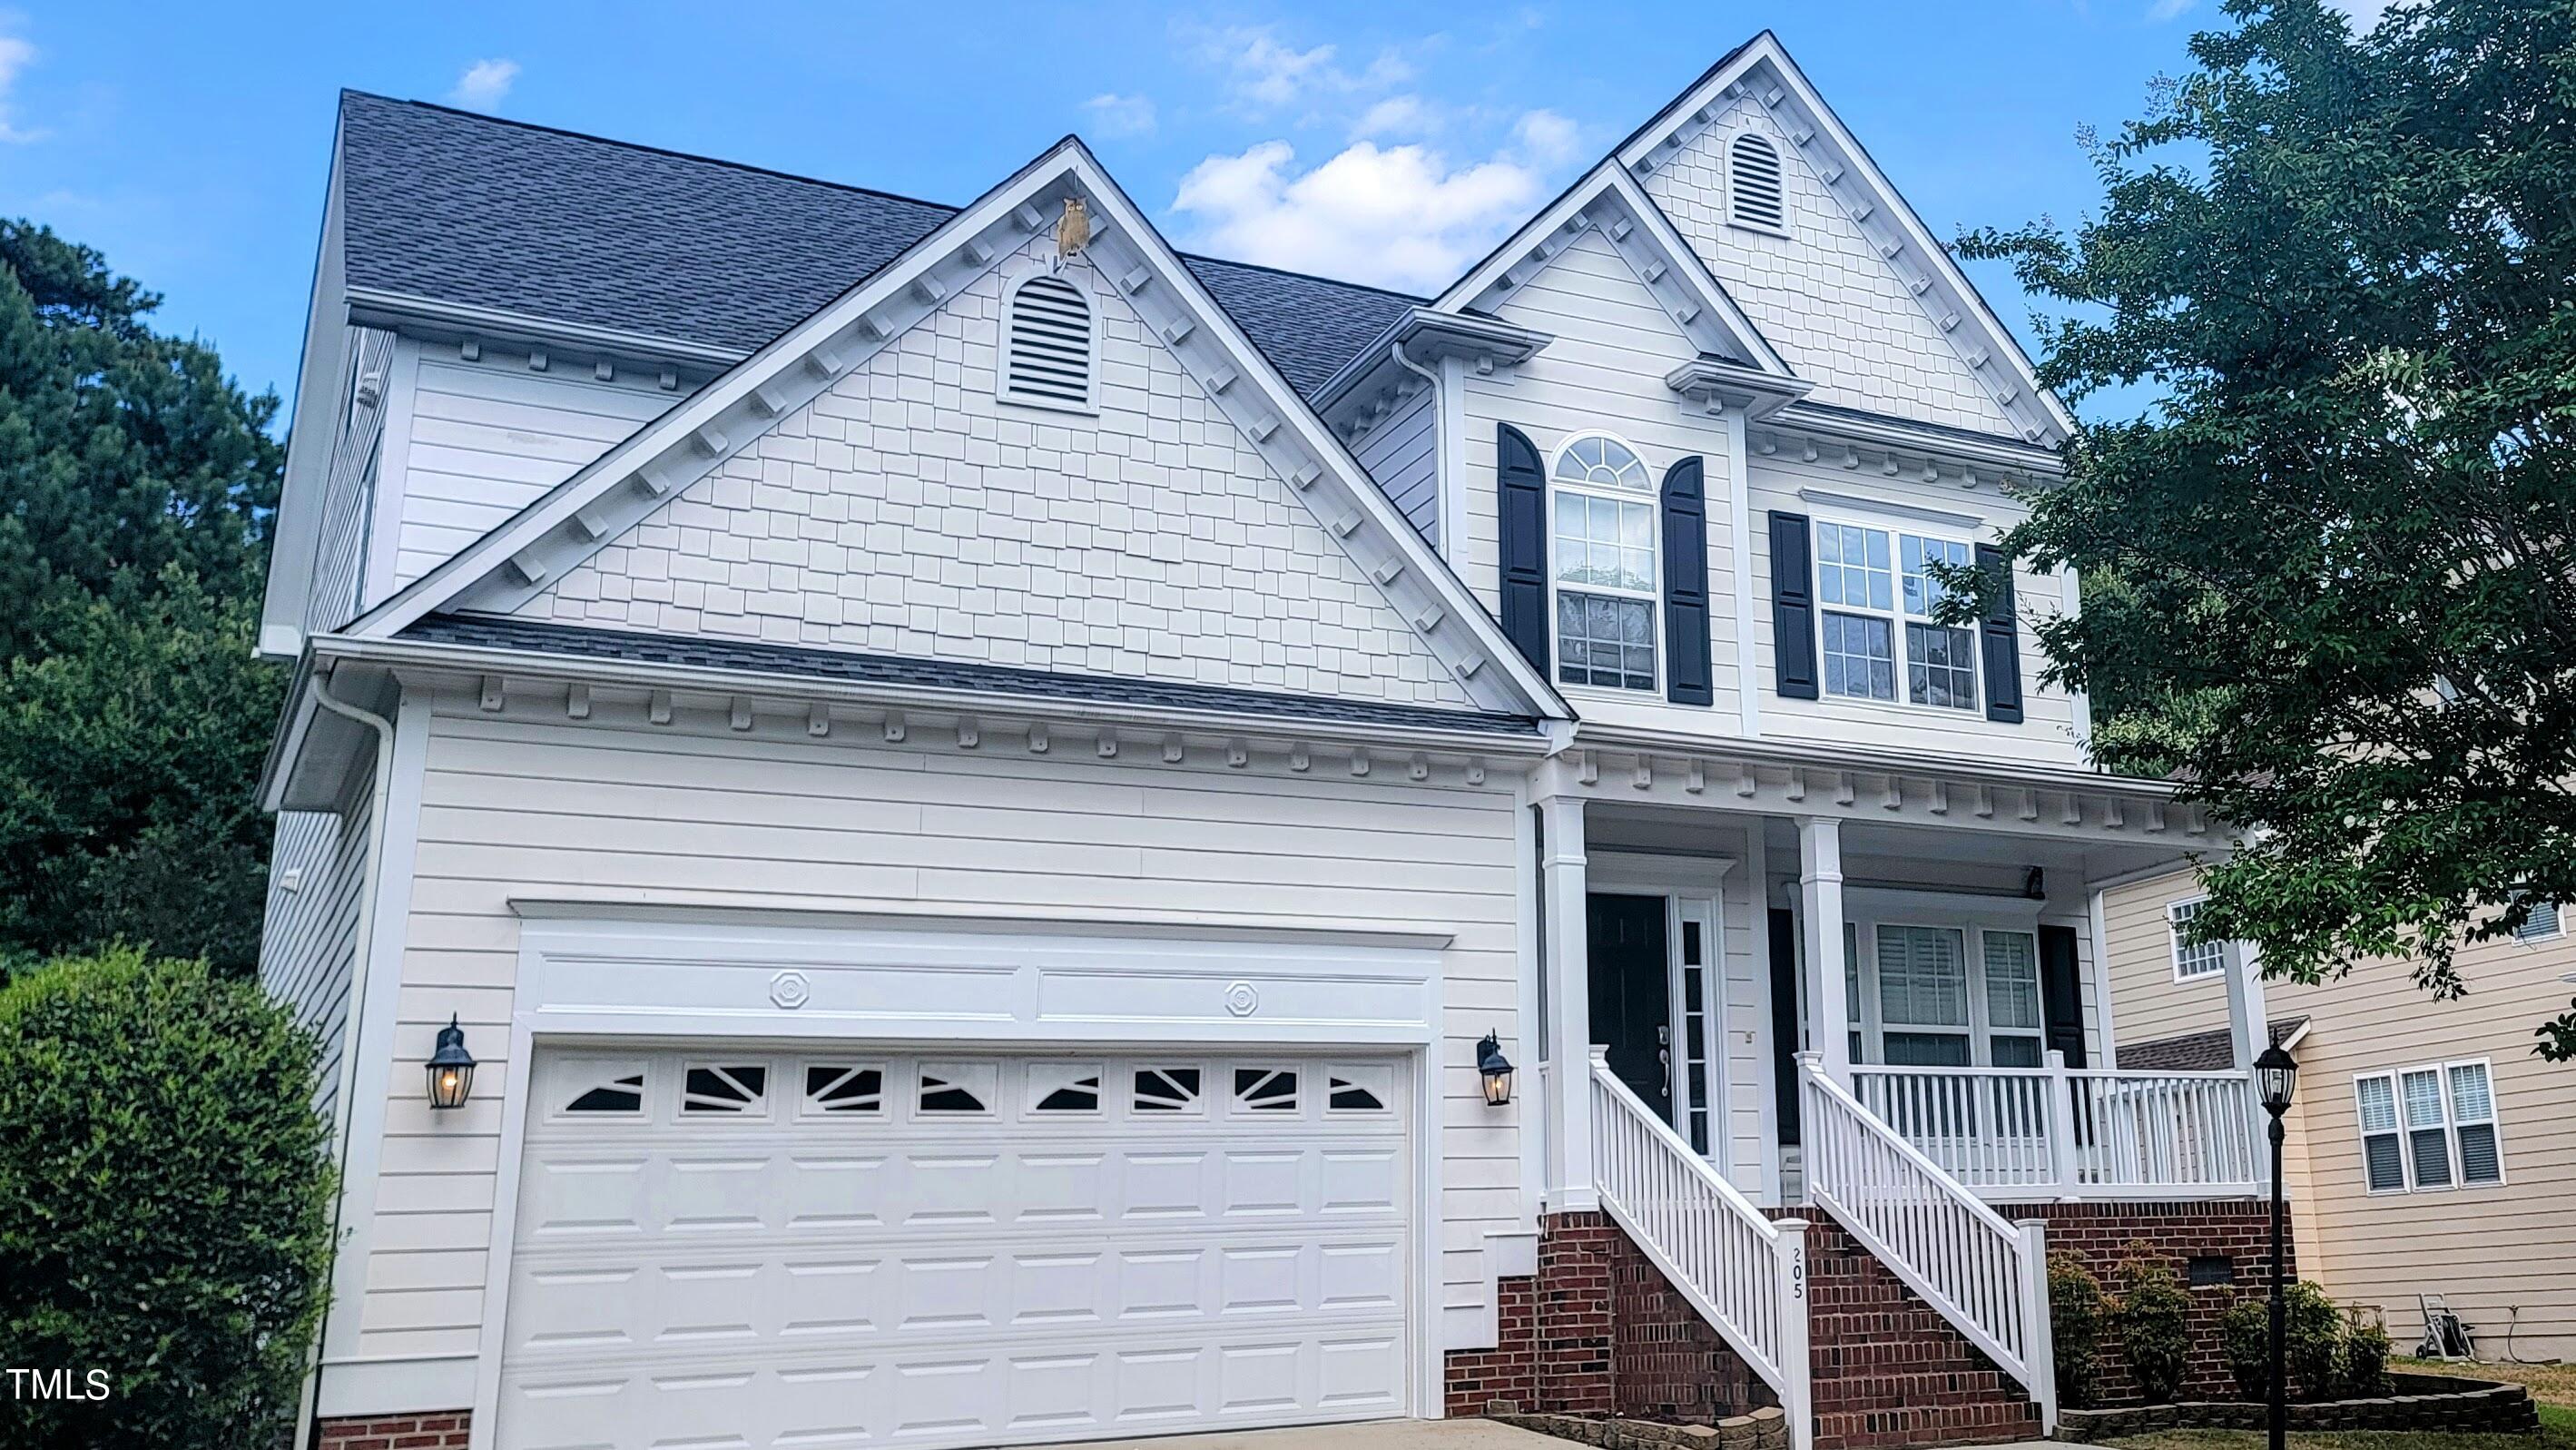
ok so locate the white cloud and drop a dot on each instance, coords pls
(2164, 10)
(16, 54)
(2364, 14)
(1548, 138)
(485, 84)
(1406, 115)
(1266, 73)
(1116, 115)
(1397, 216)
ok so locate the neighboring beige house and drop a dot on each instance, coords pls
(2429, 1149)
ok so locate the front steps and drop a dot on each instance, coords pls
(1888, 1369)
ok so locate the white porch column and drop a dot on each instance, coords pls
(1565, 964)
(1820, 908)
(2249, 1030)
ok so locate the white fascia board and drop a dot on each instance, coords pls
(1764, 65)
(321, 379)
(632, 463)
(2044, 465)
(437, 320)
(1866, 761)
(1639, 233)
(1452, 607)
(422, 660)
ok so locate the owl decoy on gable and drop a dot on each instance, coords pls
(1072, 232)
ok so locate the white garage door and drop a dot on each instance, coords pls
(726, 1248)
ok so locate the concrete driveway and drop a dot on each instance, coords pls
(1375, 1435)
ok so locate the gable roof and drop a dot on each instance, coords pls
(469, 209)
(637, 476)
(1762, 68)
(2210, 1051)
(1607, 200)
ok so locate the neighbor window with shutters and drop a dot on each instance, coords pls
(1753, 195)
(1878, 594)
(2192, 961)
(1050, 346)
(1602, 549)
(2429, 1127)
(2542, 924)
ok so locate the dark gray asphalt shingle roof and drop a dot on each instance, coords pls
(2212, 1051)
(486, 632)
(467, 208)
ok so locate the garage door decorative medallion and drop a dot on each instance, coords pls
(1242, 999)
(790, 990)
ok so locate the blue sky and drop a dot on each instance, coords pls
(1381, 143)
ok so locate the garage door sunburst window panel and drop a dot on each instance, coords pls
(1167, 1090)
(835, 1089)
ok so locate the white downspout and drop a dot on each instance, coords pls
(1440, 446)
(351, 1036)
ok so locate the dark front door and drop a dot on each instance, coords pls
(1631, 994)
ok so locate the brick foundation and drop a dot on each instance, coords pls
(432, 1430)
(2100, 1234)
(1597, 1331)
(1888, 1369)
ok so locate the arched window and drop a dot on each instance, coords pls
(1753, 196)
(1048, 345)
(1602, 501)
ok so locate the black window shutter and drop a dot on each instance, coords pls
(1686, 585)
(2001, 639)
(1522, 516)
(1793, 608)
(2061, 992)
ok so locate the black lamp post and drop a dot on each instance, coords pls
(2276, 1076)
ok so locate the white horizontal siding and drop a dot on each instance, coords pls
(487, 437)
(1402, 455)
(522, 805)
(308, 947)
(348, 497)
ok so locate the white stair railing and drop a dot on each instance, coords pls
(1987, 1276)
(1745, 1274)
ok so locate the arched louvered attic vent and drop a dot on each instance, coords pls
(1753, 196)
(1048, 347)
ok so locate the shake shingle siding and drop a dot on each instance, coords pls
(466, 209)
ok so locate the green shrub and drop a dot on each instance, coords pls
(2365, 1361)
(164, 1204)
(2245, 1337)
(2152, 1311)
(2312, 1342)
(2075, 1328)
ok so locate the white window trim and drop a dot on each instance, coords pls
(1897, 619)
(1653, 499)
(2395, 1077)
(2173, 937)
(1090, 404)
(1779, 158)
(1972, 920)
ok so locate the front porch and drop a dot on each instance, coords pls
(1946, 973)
(1871, 996)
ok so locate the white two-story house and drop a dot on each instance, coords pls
(988, 811)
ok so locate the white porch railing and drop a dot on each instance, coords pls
(2060, 1132)
(1988, 1277)
(1746, 1275)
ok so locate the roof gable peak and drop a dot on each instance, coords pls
(1762, 70)
(637, 476)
